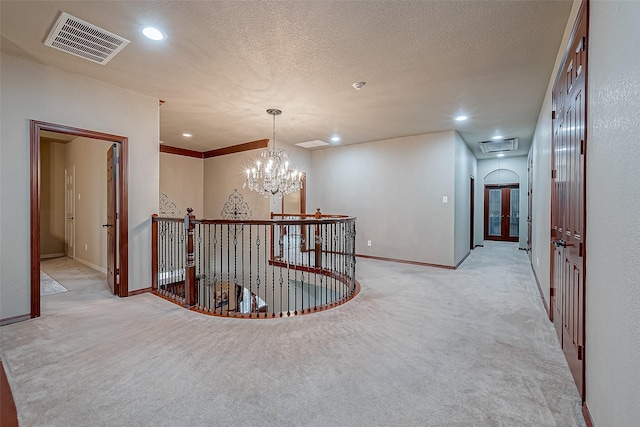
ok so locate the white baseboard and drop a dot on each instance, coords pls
(56, 255)
(89, 264)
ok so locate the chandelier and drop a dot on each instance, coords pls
(271, 174)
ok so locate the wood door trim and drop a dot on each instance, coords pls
(36, 127)
(486, 211)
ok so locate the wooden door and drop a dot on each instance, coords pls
(112, 223)
(502, 212)
(568, 203)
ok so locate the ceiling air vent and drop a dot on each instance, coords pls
(85, 40)
(312, 144)
(510, 144)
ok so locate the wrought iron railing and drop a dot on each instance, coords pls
(287, 265)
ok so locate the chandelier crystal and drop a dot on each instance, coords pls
(271, 174)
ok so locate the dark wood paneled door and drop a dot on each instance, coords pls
(502, 212)
(568, 203)
(112, 223)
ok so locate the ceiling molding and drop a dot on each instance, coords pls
(252, 145)
(181, 151)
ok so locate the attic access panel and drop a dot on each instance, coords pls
(510, 144)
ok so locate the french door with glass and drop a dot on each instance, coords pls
(502, 212)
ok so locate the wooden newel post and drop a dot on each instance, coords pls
(154, 252)
(190, 267)
(318, 239)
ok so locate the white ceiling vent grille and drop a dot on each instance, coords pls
(510, 144)
(312, 144)
(80, 38)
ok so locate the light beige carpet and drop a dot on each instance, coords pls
(417, 347)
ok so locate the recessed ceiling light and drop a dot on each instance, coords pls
(358, 85)
(335, 138)
(500, 155)
(498, 137)
(153, 33)
(187, 135)
(461, 118)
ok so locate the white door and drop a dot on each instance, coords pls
(70, 211)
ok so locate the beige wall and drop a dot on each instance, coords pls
(34, 91)
(612, 343)
(613, 215)
(466, 167)
(52, 215)
(89, 156)
(224, 174)
(182, 180)
(395, 188)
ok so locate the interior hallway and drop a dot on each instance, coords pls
(418, 346)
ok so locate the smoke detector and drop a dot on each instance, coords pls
(359, 85)
(80, 38)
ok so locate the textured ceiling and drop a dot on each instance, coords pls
(225, 62)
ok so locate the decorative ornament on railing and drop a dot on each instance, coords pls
(168, 208)
(236, 207)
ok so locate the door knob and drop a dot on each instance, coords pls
(560, 243)
(107, 225)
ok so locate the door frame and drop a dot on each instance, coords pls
(36, 127)
(472, 211)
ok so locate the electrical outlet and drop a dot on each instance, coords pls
(86, 247)
(445, 199)
(78, 196)
(368, 242)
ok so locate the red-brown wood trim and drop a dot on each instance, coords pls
(544, 301)
(154, 252)
(35, 218)
(253, 145)
(8, 412)
(140, 291)
(123, 216)
(303, 195)
(123, 188)
(404, 261)
(181, 151)
(270, 315)
(587, 415)
(14, 319)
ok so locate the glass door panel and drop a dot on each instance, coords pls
(495, 212)
(514, 216)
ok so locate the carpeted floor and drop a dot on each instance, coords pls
(417, 347)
